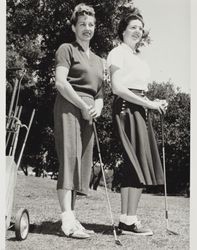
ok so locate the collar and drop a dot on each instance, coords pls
(125, 46)
(75, 43)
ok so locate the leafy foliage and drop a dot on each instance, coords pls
(176, 133)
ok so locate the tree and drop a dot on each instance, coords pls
(177, 134)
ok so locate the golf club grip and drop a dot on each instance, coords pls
(162, 131)
(96, 137)
(19, 88)
(163, 153)
(13, 97)
(166, 214)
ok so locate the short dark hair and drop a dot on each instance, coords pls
(81, 10)
(124, 22)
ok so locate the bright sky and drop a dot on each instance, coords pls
(169, 53)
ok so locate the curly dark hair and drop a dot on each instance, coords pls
(128, 13)
(125, 20)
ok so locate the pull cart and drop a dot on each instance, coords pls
(13, 127)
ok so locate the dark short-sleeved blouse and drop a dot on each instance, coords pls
(85, 73)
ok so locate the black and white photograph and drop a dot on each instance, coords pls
(97, 125)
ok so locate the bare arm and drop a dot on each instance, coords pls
(66, 90)
(117, 78)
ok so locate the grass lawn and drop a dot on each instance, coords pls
(38, 195)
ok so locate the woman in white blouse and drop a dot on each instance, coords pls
(131, 109)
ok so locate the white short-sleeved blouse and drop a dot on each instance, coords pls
(134, 69)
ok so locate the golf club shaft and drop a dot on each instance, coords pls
(164, 170)
(15, 139)
(17, 114)
(19, 87)
(105, 184)
(102, 169)
(165, 182)
(12, 101)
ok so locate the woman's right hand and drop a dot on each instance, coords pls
(159, 105)
(89, 113)
(85, 113)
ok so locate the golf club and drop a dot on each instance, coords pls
(12, 103)
(165, 183)
(117, 241)
(19, 87)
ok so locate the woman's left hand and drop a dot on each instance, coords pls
(163, 105)
(94, 112)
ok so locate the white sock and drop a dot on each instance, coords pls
(67, 217)
(123, 218)
(67, 213)
(131, 219)
(73, 211)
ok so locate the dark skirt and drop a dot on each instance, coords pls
(74, 145)
(142, 164)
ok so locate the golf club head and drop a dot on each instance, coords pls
(118, 242)
(170, 232)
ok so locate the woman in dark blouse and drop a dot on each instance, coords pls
(79, 79)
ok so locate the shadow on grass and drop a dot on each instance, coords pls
(54, 228)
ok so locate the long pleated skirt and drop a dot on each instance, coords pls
(142, 164)
(74, 145)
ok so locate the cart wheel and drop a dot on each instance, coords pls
(22, 224)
